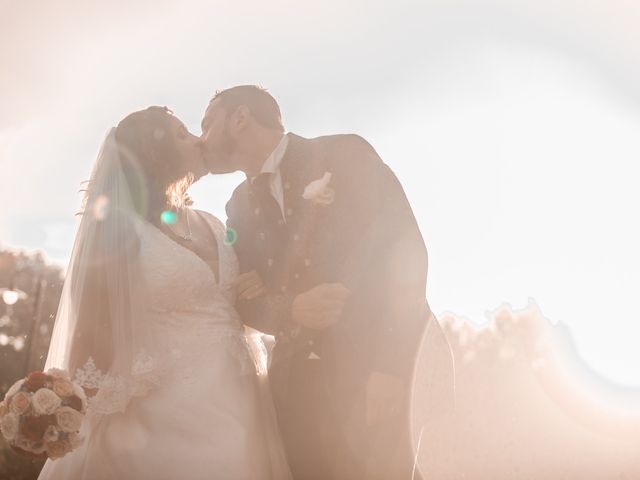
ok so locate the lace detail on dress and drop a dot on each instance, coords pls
(143, 364)
(258, 351)
(115, 391)
(242, 353)
(189, 313)
(89, 376)
(181, 282)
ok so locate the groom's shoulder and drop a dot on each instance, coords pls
(238, 197)
(241, 190)
(340, 139)
(339, 144)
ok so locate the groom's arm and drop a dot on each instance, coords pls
(284, 315)
(390, 251)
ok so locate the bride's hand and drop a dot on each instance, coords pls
(249, 286)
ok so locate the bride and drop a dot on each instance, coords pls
(147, 324)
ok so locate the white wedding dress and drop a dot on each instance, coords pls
(210, 417)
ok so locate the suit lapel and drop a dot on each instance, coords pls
(300, 166)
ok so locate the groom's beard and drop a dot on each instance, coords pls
(221, 160)
(228, 144)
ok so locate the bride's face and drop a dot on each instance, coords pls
(218, 144)
(189, 149)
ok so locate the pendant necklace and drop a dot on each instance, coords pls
(187, 237)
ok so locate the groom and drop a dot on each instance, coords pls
(326, 226)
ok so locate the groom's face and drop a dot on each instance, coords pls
(217, 139)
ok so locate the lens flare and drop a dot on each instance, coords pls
(18, 343)
(10, 297)
(230, 237)
(168, 217)
(101, 208)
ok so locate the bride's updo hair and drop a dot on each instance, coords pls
(151, 162)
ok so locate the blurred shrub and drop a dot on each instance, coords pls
(25, 332)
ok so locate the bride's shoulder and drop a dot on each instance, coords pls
(216, 225)
(135, 224)
(209, 217)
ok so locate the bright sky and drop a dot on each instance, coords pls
(512, 125)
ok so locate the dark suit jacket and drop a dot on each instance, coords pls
(367, 238)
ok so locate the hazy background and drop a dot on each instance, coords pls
(513, 126)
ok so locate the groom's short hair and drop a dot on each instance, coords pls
(262, 105)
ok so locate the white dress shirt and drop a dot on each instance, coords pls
(272, 165)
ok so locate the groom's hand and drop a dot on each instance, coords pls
(249, 286)
(321, 306)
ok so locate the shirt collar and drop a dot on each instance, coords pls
(272, 163)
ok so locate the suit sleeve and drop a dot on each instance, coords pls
(390, 249)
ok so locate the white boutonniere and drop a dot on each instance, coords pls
(319, 191)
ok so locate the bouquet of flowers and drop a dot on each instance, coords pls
(41, 415)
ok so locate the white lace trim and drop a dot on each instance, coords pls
(115, 391)
(243, 353)
(89, 376)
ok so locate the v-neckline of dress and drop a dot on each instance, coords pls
(215, 275)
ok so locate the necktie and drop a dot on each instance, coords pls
(265, 203)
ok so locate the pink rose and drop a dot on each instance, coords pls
(63, 387)
(20, 403)
(15, 388)
(58, 449)
(37, 380)
(51, 434)
(80, 393)
(3, 409)
(45, 402)
(69, 420)
(9, 425)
